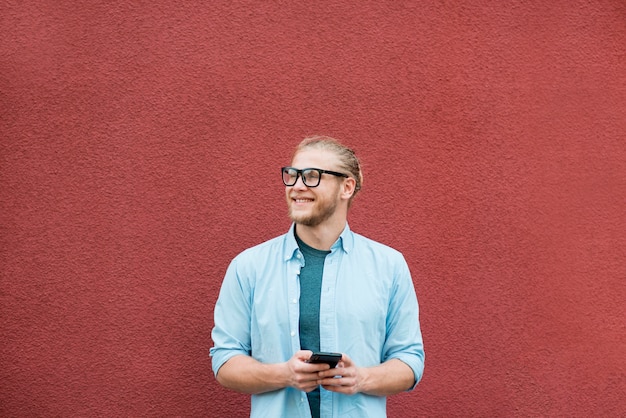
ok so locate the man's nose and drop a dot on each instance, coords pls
(300, 183)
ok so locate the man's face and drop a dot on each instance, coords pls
(311, 206)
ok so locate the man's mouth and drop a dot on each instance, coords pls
(301, 200)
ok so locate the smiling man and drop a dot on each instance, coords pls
(318, 288)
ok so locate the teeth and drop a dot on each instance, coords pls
(303, 200)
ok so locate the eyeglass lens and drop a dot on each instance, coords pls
(310, 177)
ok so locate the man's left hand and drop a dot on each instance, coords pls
(346, 378)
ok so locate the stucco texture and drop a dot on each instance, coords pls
(140, 146)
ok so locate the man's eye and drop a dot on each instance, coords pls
(312, 174)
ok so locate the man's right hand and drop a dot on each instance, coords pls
(304, 376)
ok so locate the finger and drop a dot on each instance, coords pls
(314, 368)
(307, 378)
(345, 386)
(303, 355)
(337, 371)
(309, 387)
(345, 359)
(335, 381)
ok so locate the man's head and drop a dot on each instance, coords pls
(315, 196)
(347, 158)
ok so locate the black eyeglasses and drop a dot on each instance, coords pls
(310, 176)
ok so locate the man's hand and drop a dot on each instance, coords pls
(304, 376)
(346, 378)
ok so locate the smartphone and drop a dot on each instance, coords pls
(329, 358)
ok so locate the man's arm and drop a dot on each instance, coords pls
(391, 377)
(245, 374)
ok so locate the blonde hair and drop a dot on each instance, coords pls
(348, 158)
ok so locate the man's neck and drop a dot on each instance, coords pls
(320, 237)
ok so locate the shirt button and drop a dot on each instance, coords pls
(293, 333)
(294, 301)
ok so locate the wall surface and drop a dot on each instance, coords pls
(139, 151)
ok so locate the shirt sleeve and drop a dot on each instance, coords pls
(231, 333)
(404, 337)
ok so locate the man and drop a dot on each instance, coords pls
(320, 287)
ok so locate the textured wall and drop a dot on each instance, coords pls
(139, 152)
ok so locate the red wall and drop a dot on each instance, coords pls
(140, 147)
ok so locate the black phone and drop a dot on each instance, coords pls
(329, 358)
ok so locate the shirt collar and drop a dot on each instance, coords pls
(344, 242)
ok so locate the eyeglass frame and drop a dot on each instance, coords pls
(299, 173)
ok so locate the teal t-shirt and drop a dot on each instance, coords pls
(310, 292)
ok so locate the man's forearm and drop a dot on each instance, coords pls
(391, 377)
(247, 375)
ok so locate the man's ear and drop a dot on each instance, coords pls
(348, 188)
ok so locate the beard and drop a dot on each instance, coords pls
(321, 211)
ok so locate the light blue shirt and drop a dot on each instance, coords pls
(368, 310)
